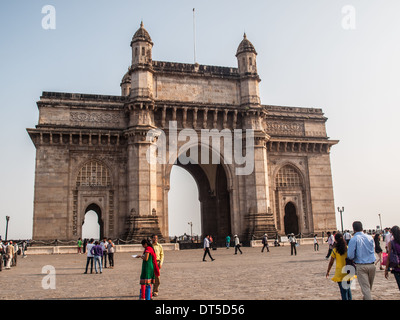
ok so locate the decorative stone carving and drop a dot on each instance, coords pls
(94, 117)
(285, 128)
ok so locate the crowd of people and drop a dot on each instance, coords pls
(357, 255)
(9, 252)
(97, 253)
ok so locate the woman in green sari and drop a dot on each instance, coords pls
(149, 268)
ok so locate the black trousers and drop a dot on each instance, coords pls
(293, 248)
(265, 246)
(207, 251)
(237, 247)
(111, 259)
(104, 260)
(89, 259)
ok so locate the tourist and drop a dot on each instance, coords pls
(237, 244)
(293, 242)
(89, 257)
(85, 242)
(110, 251)
(24, 247)
(361, 251)
(15, 255)
(228, 241)
(331, 242)
(150, 269)
(159, 251)
(80, 246)
(347, 236)
(2, 252)
(388, 238)
(265, 243)
(339, 253)
(394, 249)
(97, 252)
(103, 245)
(206, 248)
(316, 244)
(9, 255)
(378, 250)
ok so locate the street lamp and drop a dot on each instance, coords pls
(380, 220)
(7, 219)
(191, 229)
(341, 218)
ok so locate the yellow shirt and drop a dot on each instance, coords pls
(158, 249)
(340, 264)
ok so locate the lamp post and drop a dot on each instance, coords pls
(380, 221)
(191, 230)
(341, 217)
(7, 219)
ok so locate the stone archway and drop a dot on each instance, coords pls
(95, 208)
(291, 220)
(214, 197)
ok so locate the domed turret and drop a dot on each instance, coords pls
(141, 47)
(245, 46)
(249, 90)
(141, 35)
(246, 55)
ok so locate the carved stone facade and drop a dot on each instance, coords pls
(91, 154)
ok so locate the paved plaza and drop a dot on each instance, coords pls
(274, 275)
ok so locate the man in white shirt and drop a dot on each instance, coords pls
(331, 242)
(89, 256)
(347, 236)
(206, 247)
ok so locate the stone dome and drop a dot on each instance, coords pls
(245, 46)
(141, 35)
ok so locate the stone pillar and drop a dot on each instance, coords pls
(258, 217)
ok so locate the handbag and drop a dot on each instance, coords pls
(394, 259)
(384, 258)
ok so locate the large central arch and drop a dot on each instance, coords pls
(214, 193)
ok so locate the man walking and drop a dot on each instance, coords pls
(158, 249)
(237, 245)
(293, 242)
(265, 243)
(10, 254)
(361, 250)
(206, 248)
(331, 242)
(228, 241)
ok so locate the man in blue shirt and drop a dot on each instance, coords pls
(361, 250)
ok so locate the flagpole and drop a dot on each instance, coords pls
(194, 35)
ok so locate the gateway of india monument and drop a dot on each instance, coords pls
(92, 154)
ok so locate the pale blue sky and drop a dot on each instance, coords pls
(305, 58)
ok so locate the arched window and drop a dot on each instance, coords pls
(93, 174)
(288, 176)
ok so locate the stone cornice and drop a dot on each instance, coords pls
(195, 70)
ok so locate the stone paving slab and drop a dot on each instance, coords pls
(274, 275)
